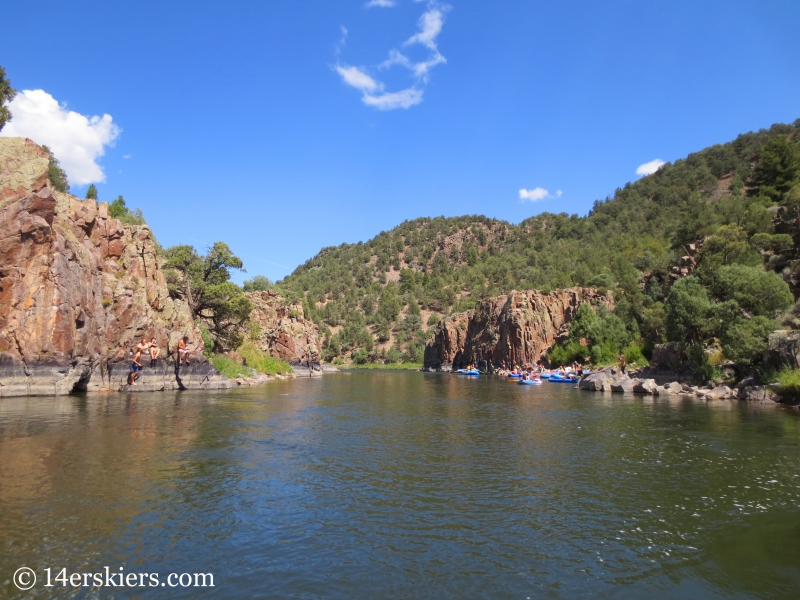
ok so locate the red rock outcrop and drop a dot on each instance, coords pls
(517, 328)
(78, 289)
(282, 330)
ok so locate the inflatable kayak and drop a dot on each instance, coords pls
(514, 375)
(555, 379)
(471, 372)
(529, 382)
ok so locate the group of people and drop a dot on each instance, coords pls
(152, 350)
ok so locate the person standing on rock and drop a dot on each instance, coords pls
(136, 366)
(154, 352)
(622, 363)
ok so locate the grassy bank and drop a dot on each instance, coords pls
(391, 366)
(229, 367)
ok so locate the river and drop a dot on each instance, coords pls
(378, 484)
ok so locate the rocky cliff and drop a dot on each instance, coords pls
(518, 328)
(283, 332)
(78, 289)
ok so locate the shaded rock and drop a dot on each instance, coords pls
(757, 393)
(783, 349)
(517, 328)
(670, 356)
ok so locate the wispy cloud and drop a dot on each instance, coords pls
(389, 101)
(76, 140)
(537, 194)
(430, 26)
(337, 47)
(651, 167)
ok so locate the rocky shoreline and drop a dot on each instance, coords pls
(614, 380)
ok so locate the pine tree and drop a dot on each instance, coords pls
(7, 94)
(91, 193)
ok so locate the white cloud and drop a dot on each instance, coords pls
(651, 167)
(127, 155)
(389, 101)
(534, 194)
(76, 140)
(430, 26)
(355, 77)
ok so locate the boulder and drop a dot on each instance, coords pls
(645, 386)
(719, 393)
(624, 385)
(757, 393)
(670, 389)
(601, 380)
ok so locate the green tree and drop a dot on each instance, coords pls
(119, 210)
(758, 292)
(778, 169)
(745, 341)
(56, 175)
(7, 94)
(726, 247)
(91, 192)
(205, 284)
(687, 311)
(258, 283)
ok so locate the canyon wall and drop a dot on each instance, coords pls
(282, 330)
(78, 289)
(517, 328)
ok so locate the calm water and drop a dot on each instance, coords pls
(391, 485)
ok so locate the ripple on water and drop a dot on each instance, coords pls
(395, 484)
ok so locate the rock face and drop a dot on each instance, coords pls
(518, 328)
(78, 290)
(283, 331)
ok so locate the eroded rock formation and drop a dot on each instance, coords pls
(78, 289)
(517, 328)
(283, 331)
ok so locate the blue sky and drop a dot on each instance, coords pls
(236, 121)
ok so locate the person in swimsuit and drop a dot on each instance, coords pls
(136, 366)
(154, 352)
(183, 351)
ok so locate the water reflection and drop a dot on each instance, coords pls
(391, 484)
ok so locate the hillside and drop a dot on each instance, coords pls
(631, 242)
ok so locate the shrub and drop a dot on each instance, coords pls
(634, 355)
(393, 355)
(262, 362)
(229, 367)
(567, 354)
(259, 283)
(789, 380)
(360, 356)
